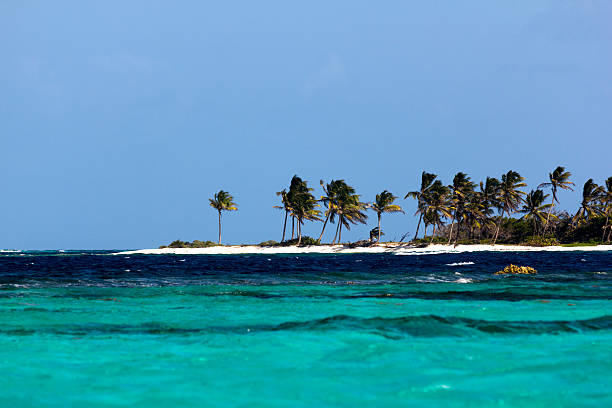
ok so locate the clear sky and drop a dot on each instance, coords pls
(119, 119)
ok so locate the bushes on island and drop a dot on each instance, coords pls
(306, 241)
(186, 244)
(538, 241)
(268, 243)
(513, 231)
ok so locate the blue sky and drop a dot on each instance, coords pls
(119, 119)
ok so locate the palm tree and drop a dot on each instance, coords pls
(332, 190)
(462, 186)
(304, 206)
(222, 201)
(591, 197)
(428, 219)
(473, 213)
(509, 196)
(436, 206)
(559, 179)
(297, 187)
(426, 182)
(348, 209)
(534, 208)
(286, 206)
(384, 204)
(488, 197)
(606, 202)
(375, 232)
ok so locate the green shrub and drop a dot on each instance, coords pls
(588, 232)
(186, 244)
(269, 243)
(178, 244)
(202, 244)
(540, 241)
(591, 242)
(428, 240)
(306, 241)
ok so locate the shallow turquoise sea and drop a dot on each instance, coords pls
(100, 330)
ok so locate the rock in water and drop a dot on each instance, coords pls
(517, 270)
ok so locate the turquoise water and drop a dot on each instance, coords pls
(101, 330)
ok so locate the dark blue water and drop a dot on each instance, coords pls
(103, 268)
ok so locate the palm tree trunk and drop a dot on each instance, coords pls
(433, 234)
(292, 225)
(340, 233)
(284, 227)
(501, 218)
(219, 227)
(450, 234)
(336, 234)
(323, 230)
(603, 236)
(418, 225)
(548, 217)
(457, 232)
(378, 241)
(299, 231)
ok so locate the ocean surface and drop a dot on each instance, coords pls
(95, 329)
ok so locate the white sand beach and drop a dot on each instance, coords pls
(396, 249)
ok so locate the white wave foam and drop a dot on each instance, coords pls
(460, 263)
(463, 280)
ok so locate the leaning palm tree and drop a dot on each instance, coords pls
(559, 179)
(286, 207)
(427, 180)
(384, 204)
(222, 201)
(488, 197)
(535, 209)
(332, 191)
(304, 207)
(606, 203)
(461, 188)
(437, 206)
(348, 210)
(297, 187)
(509, 196)
(473, 214)
(589, 206)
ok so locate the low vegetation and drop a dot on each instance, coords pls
(186, 244)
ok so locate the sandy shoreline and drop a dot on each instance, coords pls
(396, 249)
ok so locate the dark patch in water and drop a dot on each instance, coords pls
(392, 328)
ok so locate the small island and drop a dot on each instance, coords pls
(492, 215)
